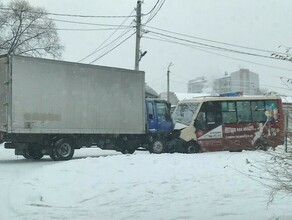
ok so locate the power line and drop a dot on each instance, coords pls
(213, 41)
(276, 87)
(153, 81)
(286, 83)
(82, 23)
(155, 13)
(212, 46)
(97, 49)
(163, 39)
(199, 48)
(82, 29)
(107, 45)
(113, 48)
(87, 23)
(151, 9)
(75, 15)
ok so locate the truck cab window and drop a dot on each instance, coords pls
(163, 111)
(150, 110)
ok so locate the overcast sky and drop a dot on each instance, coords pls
(259, 24)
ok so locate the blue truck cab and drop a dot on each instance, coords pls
(159, 124)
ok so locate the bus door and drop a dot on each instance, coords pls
(208, 126)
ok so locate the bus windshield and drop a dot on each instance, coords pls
(184, 113)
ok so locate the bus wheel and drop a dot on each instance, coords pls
(63, 149)
(261, 145)
(192, 147)
(157, 147)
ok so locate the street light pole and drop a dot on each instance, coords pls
(168, 71)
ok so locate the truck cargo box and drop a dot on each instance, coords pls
(48, 96)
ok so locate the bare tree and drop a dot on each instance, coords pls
(279, 168)
(26, 30)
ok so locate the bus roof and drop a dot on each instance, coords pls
(229, 98)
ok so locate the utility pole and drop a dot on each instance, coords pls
(168, 71)
(138, 34)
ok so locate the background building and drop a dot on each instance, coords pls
(196, 85)
(243, 81)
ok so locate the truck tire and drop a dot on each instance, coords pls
(26, 155)
(127, 146)
(63, 149)
(192, 147)
(33, 152)
(157, 147)
(128, 151)
(53, 154)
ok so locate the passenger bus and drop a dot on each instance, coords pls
(229, 123)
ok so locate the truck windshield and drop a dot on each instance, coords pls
(163, 111)
(184, 113)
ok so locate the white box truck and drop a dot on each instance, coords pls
(53, 107)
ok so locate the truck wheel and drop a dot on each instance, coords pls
(63, 149)
(26, 155)
(128, 151)
(53, 154)
(192, 147)
(157, 147)
(34, 152)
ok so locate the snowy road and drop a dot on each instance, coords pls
(139, 186)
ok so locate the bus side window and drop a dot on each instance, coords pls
(243, 111)
(229, 117)
(258, 111)
(228, 112)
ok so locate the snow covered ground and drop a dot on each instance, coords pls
(139, 186)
